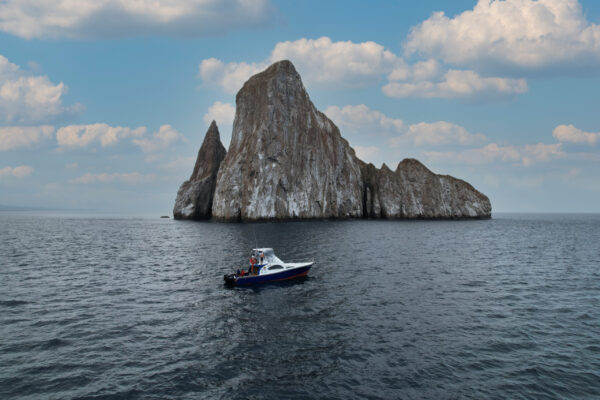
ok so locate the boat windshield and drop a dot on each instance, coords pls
(268, 254)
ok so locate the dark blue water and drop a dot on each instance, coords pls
(113, 308)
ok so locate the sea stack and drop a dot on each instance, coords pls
(287, 160)
(195, 196)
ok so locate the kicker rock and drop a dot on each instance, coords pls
(286, 159)
(413, 191)
(195, 196)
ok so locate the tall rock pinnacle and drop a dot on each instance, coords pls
(286, 159)
(195, 196)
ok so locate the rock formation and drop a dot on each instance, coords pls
(195, 196)
(288, 160)
(413, 191)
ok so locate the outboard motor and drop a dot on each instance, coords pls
(229, 279)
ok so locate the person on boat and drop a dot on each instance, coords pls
(262, 257)
(252, 262)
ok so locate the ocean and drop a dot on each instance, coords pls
(100, 307)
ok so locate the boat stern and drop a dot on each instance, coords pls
(229, 279)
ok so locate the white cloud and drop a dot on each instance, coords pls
(30, 99)
(366, 153)
(534, 153)
(569, 133)
(223, 113)
(160, 140)
(420, 71)
(440, 133)
(347, 64)
(14, 137)
(526, 155)
(131, 178)
(319, 61)
(72, 166)
(89, 19)
(230, 76)
(458, 84)
(21, 171)
(361, 119)
(78, 136)
(512, 35)
(339, 63)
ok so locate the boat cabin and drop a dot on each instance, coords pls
(264, 256)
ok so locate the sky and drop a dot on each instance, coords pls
(105, 103)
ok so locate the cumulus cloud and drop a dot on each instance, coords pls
(366, 153)
(30, 99)
(362, 119)
(230, 76)
(97, 19)
(526, 155)
(347, 64)
(519, 36)
(78, 136)
(458, 84)
(321, 61)
(132, 178)
(420, 71)
(440, 133)
(21, 171)
(534, 153)
(223, 113)
(569, 133)
(340, 63)
(160, 140)
(14, 137)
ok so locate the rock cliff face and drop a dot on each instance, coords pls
(195, 196)
(413, 191)
(288, 160)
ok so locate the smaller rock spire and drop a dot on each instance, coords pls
(209, 153)
(195, 196)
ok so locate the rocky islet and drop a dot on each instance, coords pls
(288, 160)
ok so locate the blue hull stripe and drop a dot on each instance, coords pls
(255, 279)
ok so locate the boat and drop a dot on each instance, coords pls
(265, 267)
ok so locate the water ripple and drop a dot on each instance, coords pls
(106, 308)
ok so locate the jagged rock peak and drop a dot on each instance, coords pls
(384, 167)
(195, 196)
(412, 163)
(283, 68)
(413, 191)
(286, 159)
(209, 153)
